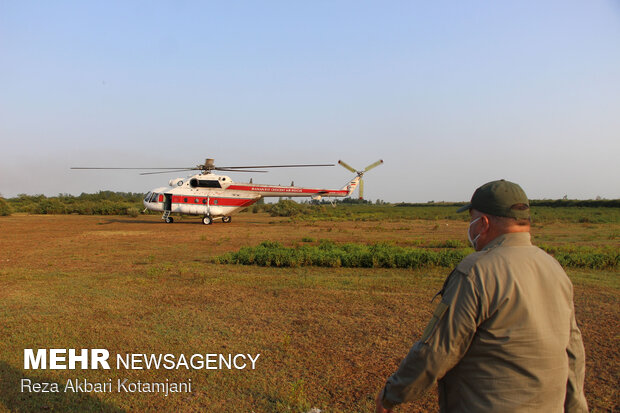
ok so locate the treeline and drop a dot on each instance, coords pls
(432, 212)
(129, 203)
(100, 203)
(556, 203)
(583, 203)
(5, 208)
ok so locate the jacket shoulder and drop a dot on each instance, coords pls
(467, 263)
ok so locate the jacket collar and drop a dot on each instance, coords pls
(511, 239)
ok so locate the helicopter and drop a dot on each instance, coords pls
(218, 197)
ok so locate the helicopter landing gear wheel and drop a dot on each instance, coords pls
(226, 220)
(169, 220)
(207, 220)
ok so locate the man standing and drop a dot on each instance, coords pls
(504, 336)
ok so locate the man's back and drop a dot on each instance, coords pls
(504, 336)
(517, 359)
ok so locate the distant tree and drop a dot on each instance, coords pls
(5, 208)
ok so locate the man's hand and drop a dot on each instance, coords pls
(379, 406)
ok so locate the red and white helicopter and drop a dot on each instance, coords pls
(216, 196)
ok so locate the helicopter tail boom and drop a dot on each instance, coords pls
(350, 187)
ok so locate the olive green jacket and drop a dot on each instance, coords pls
(503, 338)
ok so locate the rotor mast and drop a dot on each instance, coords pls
(207, 167)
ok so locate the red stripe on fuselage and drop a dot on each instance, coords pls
(285, 190)
(202, 200)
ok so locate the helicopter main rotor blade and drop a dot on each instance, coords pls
(238, 170)
(373, 165)
(88, 167)
(167, 172)
(273, 166)
(347, 166)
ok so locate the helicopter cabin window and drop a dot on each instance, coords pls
(204, 183)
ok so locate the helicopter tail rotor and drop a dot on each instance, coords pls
(361, 173)
(373, 165)
(347, 166)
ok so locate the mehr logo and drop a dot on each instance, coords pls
(58, 361)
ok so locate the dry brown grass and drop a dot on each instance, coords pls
(328, 338)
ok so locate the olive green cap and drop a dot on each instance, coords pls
(500, 198)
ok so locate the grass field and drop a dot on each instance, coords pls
(328, 337)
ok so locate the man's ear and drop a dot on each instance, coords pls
(486, 223)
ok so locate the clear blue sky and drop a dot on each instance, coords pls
(450, 94)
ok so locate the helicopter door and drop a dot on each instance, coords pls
(167, 202)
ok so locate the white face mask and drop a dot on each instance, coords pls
(472, 241)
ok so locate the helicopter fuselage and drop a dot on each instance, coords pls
(217, 196)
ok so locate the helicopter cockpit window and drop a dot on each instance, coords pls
(154, 197)
(210, 184)
(204, 183)
(147, 197)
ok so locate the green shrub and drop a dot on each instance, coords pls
(101, 203)
(5, 208)
(385, 255)
(585, 257)
(350, 255)
(287, 208)
(452, 243)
